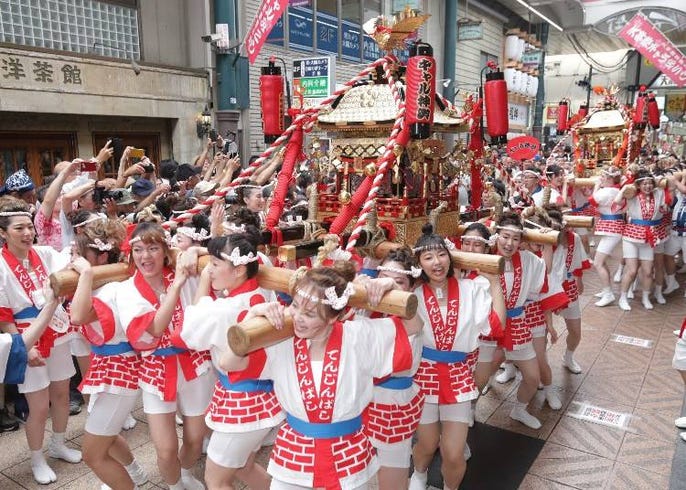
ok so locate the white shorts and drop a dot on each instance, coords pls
(538, 332)
(640, 251)
(524, 353)
(395, 455)
(674, 244)
(192, 397)
(58, 367)
(79, 346)
(487, 351)
(607, 244)
(581, 231)
(281, 485)
(679, 359)
(232, 450)
(572, 312)
(108, 411)
(452, 412)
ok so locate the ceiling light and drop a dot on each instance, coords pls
(536, 12)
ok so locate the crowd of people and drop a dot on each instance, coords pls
(353, 394)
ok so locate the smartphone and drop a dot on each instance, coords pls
(137, 153)
(89, 166)
(213, 134)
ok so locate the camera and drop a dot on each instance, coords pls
(149, 168)
(211, 38)
(101, 193)
(213, 134)
(89, 166)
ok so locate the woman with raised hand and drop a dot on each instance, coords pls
(112, 378)
(241, 414)
(24, 268)
(323, 379)
(455, 312)
(151, 308)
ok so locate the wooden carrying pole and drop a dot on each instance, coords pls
(257, 333)
(533, 236)
(578, 221)
(399, 303)
(584, 182)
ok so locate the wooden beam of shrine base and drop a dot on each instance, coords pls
(398, 303)
(584, 182)
(488, 264)
(578, 221)
(533, 236)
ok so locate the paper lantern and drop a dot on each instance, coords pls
(495, 97)
(271, 102)
(653, 112)
(639, 110)
(562, 115)
(510, 77)
(512, 47)
(420, 90)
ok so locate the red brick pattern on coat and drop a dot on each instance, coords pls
(391, 424)
(461, 380)
(235, 407)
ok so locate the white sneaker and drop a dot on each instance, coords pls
(129, 423)
(571, 365)
(623, 304)
(599, 294)
(509, 372)
(618, 274)
(670, 286)
(418, 480)
(467, 452)
(42, 472)
(647, 304)
(138, 475)
(680, 422)
(552, 398)
(605, 299)
(659, 297)
(683, 436)
(630, 293)
(60, 451)
(521, 415)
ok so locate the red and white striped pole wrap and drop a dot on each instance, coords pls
(305, 120)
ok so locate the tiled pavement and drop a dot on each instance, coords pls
(577, 454)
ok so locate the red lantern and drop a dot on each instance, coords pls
(583, 111)
(495, 97)
(653, 112)
(420, 90)
(562, 115)
(271, 102)
(639, 112)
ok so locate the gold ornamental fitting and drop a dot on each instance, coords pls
(344, 197)
(370, 170)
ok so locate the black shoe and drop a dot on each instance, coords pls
(8, 422)
(74, 407)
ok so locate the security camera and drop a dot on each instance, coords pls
(211, 38)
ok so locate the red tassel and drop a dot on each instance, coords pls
(293, 151)
(639, 112)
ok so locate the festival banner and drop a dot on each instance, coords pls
(651, 43)
(269, 13)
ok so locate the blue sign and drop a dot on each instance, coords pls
(327, 33)
(371, 50)
(352, 38)
(300, 28)
(276, 36)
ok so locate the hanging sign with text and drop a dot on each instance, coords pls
(269, 13)
(651, 43)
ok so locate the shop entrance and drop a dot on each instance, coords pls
(36, 152)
